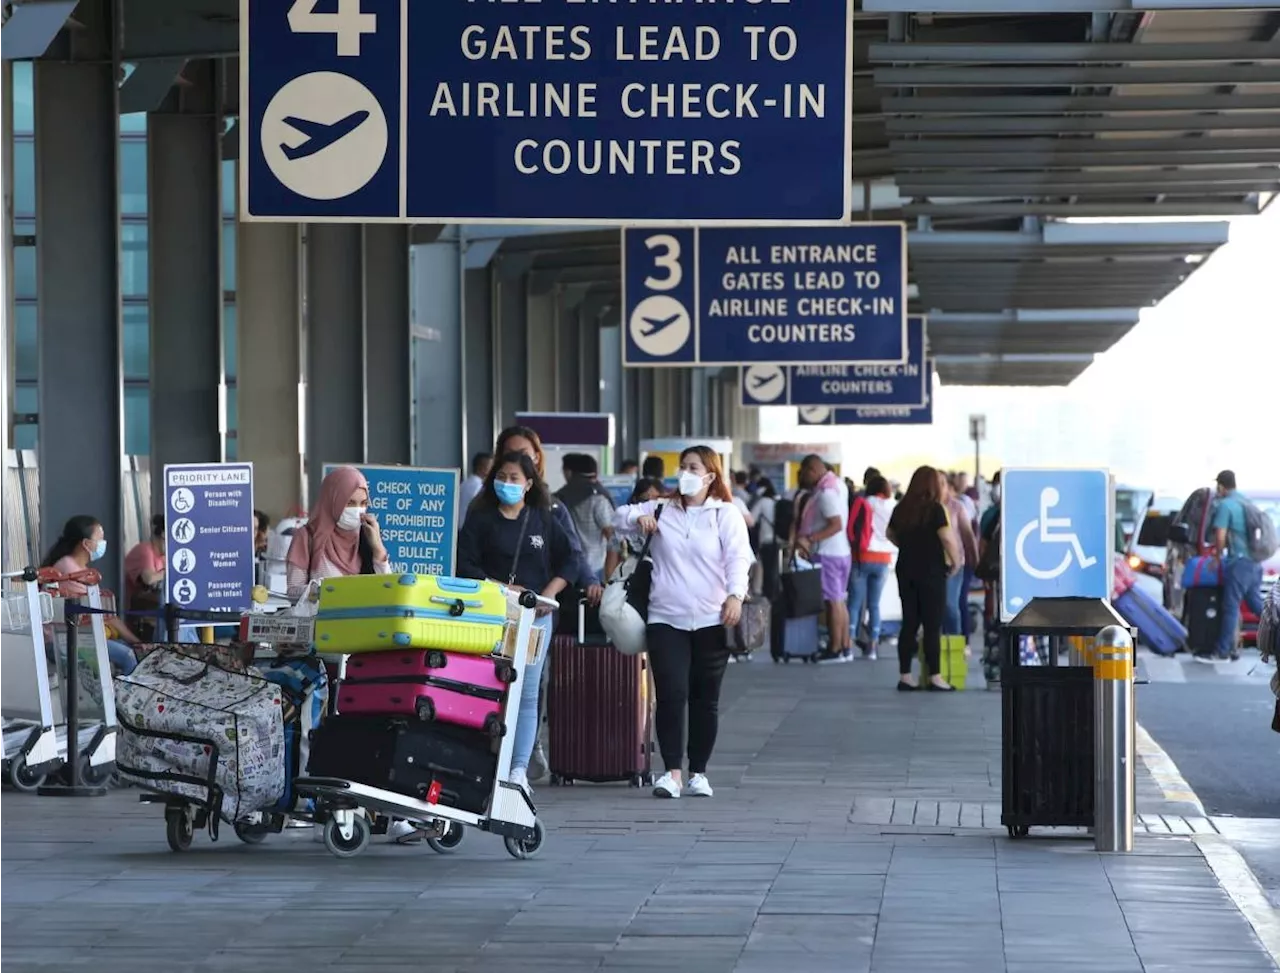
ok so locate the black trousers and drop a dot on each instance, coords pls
(688, 670)
(924, 605)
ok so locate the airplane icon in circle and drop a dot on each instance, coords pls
(760, 381)
(319, 135)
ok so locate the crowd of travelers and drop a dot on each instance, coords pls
(716, 539)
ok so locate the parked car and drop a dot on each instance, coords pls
(1148, 544)
(1189, 535)
(1131, 507)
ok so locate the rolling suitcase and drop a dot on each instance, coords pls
(377, 612)
(598, 714)
(1204, 618)
(793, 638)
(466, 690)
(1159, 630)
(407, 757)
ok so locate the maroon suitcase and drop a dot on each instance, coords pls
(598, 714)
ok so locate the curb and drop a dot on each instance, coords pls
(1228, 865)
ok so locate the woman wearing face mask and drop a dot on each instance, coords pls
(82, 542)
(340, 538)
(701, 558)
(512, 537)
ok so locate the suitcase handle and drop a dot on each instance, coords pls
(457, 606)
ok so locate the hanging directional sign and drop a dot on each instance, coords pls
(458, 111)
(873, 415)
(729, 296)
(842, 385)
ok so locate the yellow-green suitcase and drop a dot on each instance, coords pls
(382, 612)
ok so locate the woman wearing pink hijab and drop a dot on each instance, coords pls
(341, 536)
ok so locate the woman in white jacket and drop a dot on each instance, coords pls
(701, 558)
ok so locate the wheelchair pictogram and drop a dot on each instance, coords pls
(1051, 531)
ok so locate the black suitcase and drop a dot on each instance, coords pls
(1204, 618)
(407, 756)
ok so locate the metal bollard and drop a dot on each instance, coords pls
(1113, 740)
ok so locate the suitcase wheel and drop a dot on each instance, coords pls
(436, 659)
(495, 727)
(457, 608)
(506, 672)
(426, 709)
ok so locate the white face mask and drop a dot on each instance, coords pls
(350, 518)
(690, 484)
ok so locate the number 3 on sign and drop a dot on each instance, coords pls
(668, 260)
(347, 25)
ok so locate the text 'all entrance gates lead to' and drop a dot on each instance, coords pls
(547, 111)
(779, 295)
(1056, 535)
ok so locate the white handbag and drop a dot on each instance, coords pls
(625, 626)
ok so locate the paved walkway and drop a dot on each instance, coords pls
(854, 830)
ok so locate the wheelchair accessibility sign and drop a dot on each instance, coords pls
(1056, 536)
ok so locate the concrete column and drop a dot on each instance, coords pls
(184, 204)
(334, 342)
(78, 258)
(699, 410)
(590, 316)
(438, 386)
(387, 422)
(645, 411)
(269, 401)
(613, 397)
(568, 332)
(540, 350)
(7, 320)
(478, 360)
(511, 339)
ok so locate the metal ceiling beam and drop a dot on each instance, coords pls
(952, 161)
(1071, 77)
(1119, 177)
(1067, 104)
(1007, 187)
(1026, 359)
(884, 53)
(1206, 207)
(1036, 316)
(1215, 143)
(1134, 238)
(1083, 124)
(1039, 8)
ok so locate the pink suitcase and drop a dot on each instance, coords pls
(448, 686)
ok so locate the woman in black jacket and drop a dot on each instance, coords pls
(511, 536)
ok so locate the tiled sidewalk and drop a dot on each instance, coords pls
(854, 829)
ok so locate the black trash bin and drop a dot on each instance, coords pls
(1047, 718)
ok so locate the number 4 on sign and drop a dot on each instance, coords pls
(347, 25)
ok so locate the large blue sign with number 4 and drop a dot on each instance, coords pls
(546, 112)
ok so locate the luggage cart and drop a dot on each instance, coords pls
(32, 747)
(351, 812)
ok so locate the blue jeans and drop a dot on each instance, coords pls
(527, 719)
(965, 585)
(953, 622)
(122, 658)
(866, 584)
(1241, 581)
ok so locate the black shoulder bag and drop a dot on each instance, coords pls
(640, 582)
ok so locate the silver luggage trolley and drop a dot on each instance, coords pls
(346, 806)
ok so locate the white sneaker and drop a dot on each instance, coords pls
(520, 777)
(667, 786)
(699, 786)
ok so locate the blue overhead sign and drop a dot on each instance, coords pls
(546, 111)
(730, 296)
(417, 512)
(873, 415)
(1056, 536)
(209, 528)
(842, 385)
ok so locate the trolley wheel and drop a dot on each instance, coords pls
(494, 727)
(178, 828)
(96, 776)
(346, 847)
(22, 778)
(555, 780)
(528, 848)
(447, 842)
(252, 834)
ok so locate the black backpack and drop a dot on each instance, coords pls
(784, 517)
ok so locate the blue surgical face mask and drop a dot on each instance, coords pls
(99, 551)
(509, 494)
